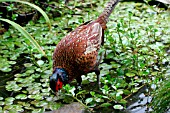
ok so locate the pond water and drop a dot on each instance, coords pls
(139, 102)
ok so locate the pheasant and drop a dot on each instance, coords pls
(77, 53)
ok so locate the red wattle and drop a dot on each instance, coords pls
(59, 85)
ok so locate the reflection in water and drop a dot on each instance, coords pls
(138, 103)
(140, 106)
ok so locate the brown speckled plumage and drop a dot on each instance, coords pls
(77, 52)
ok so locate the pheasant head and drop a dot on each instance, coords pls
(58, 79)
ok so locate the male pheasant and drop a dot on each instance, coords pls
(76, 54)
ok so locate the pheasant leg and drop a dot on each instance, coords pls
(97, 72)
(79, 80)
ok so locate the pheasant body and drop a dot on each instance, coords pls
(77, 52)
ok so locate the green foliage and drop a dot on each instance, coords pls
(31, 5)
(161, 97)
(25, 33)
(134, 49)
(21, 29)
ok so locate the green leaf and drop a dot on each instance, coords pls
(130, 74)
(126, 92)
(7, 107)
(36, 97)
(14, 108)
(118, 97)
(12, 86)
(2, 103)
(40, 62)
(134, 90)
(154, 73)
(92, 93)
(39, 103)
(12, 62)
(28, 64)
(81, 92)
(9, 100)
(123, 101)
(21, 96)
(72, 91)
(118, 106)
(6, 69)
(88, 100)
(1, 98)
(105, 104)
(99, 100)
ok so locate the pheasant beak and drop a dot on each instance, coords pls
(59, 85)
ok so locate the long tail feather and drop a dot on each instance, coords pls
(103, 18)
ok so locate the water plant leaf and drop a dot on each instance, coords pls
(40, 62)
(14, 108)
(105, 104)
(40, 110)
(6, 69)
(2, 103)
(28, 64)
(8, 107)
(36, 97)
(1, 98)
(118, 97)
(126, 92)
(88, 100)
(130, 74)
(25, 104)
(9, 100)
(1, 109)
(21, 96)
(122, 101)
(72, 91)
(81, 92)
(12, 86)
(99, 100)
(12, 62)
(92, 93)
(118, 106)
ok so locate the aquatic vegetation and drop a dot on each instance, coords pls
(136, 45)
